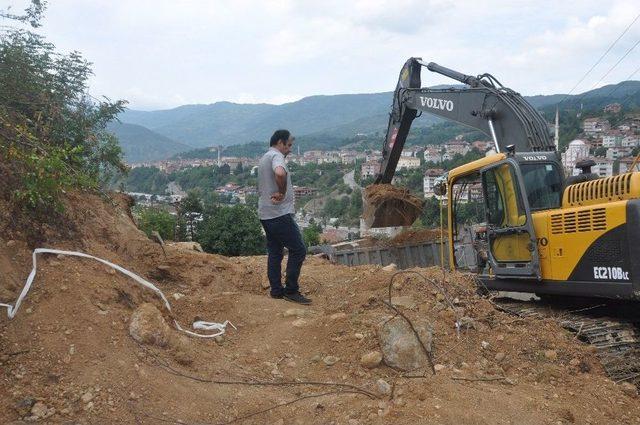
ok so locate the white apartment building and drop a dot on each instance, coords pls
(595, 126)
(457, 146)
(430, 176)
(432, 155)
(603, 167)
(630, 141)
(408, 162)
(611, 140)
(618, 152)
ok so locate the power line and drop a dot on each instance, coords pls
(616, 64)
(627, 79)
(600, 59)
(607, 73)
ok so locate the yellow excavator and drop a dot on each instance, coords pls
(545, 234)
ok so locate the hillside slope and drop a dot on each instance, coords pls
(141, 144)
(344, 115)
(68, 354)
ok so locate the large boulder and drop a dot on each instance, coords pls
(147, 326)
(400, 347)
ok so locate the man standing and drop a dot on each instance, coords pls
(276, 210)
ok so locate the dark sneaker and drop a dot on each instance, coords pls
(277, 296)
(297, 297)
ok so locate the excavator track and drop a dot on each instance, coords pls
(614, 329)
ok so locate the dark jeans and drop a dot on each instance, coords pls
(283, 232)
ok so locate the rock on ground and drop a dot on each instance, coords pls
(147, 326)
(390, 268)
(400, 347)
(371, 360)
(405, 301)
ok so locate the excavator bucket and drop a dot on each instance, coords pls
(385, 205)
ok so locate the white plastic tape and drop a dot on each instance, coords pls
(13, 309)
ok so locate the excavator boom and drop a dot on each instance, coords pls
(481, 103)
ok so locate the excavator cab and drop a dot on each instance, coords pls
(513, 251)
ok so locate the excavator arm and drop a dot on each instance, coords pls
(482, 103)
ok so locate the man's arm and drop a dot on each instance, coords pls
(281, 179)
(281, 182)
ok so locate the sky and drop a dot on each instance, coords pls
(161, 54)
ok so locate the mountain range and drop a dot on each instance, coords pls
(153, 135)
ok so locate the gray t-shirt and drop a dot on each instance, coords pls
(267, 186)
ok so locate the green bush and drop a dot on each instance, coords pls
(158, 219)
(52, 133)
(233, 230)
(311, 234)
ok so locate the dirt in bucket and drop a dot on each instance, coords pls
(386, 206)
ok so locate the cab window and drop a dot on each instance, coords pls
(543, 184)
(503, 201)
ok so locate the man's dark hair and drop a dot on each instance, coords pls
(279, 135)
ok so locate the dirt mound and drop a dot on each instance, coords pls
(410, 236)
(68, 356)
(415, 236)
(386, 206)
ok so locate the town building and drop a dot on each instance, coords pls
(577, 150)
(595, 126)
(625, 165)
(603, 167)
(369, 169)
(618, 152)
(630, 141)
(300, 191)
(471, 192)
(482, 145)
(612, 139)
(432, 154)
(408, 163)
(428, 181)
(613, 108)
(454, 147)
(412, 151)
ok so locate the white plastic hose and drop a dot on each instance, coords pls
(13, 309)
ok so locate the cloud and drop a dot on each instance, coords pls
(571, 50)
(158, 53)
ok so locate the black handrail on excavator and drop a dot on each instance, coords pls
(483, 104)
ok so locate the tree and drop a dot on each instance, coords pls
(238, 169)
(224, 170)
(190, 209)
(601, 151)
(431, 213)
(158, 219)
(53, 134)
(231, 231)
(32, 14)
(311, 234)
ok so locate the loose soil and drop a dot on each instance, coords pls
(407, 237)
(388, 206)
(415, 236)
(69, 346)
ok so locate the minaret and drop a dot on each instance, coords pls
(557, 136)
(219, 160)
